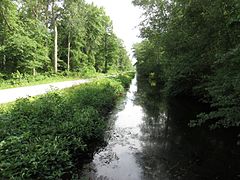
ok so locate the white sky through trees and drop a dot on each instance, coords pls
(125, 17)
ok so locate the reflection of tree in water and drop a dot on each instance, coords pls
(170, 150)
(154, 132)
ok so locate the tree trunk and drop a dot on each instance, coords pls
(54, 21)
(4, 62)
(105, 55)
(46, 13)
(34, 72)
(69, 49)
(55, 47)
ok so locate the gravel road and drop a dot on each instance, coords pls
(9, 95)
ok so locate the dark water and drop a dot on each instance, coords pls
(148, 139)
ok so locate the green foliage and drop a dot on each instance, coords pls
(86, 42)
(196, 46)
(104, 101)
(23, 42)
(92, 41)
(25, 54)
(149, 62)
(125, 79)
(87, 71)
(42, 137)
(223, 93)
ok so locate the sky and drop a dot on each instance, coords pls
(125, 17)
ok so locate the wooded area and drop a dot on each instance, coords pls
(192, 48)
(38, 36)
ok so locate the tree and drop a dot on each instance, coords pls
(72, 33)
(35, 29)
(55, 31)
(95, 27)
(198, 44)
(8, 25)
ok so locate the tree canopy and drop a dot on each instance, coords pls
(195, 46)
(58, 35)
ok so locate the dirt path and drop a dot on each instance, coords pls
(9, 95)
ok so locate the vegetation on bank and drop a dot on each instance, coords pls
(45, 137)
(192, 48)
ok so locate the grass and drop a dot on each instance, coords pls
(43, 137)
(21, 80)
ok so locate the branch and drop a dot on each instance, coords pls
(5, 19)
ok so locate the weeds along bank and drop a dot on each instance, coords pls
(43, 137)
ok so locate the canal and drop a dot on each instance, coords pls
(149, 139)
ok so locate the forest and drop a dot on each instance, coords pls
(192, 49)
(50, 136)
(56, 36)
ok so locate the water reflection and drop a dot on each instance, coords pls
(154, 132)
(171, 150)
(117, 160)
(148, 139)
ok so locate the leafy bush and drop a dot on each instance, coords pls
(87, 71)
(223, 93)
(41, 137)
(125, 79)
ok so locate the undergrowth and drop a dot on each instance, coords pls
(42, 137)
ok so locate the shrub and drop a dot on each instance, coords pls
(125, 79)
(41, 137)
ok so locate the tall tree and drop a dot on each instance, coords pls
(78, 35)
(195, 37)
(55, 31)
(73, 29)
(8, 25)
